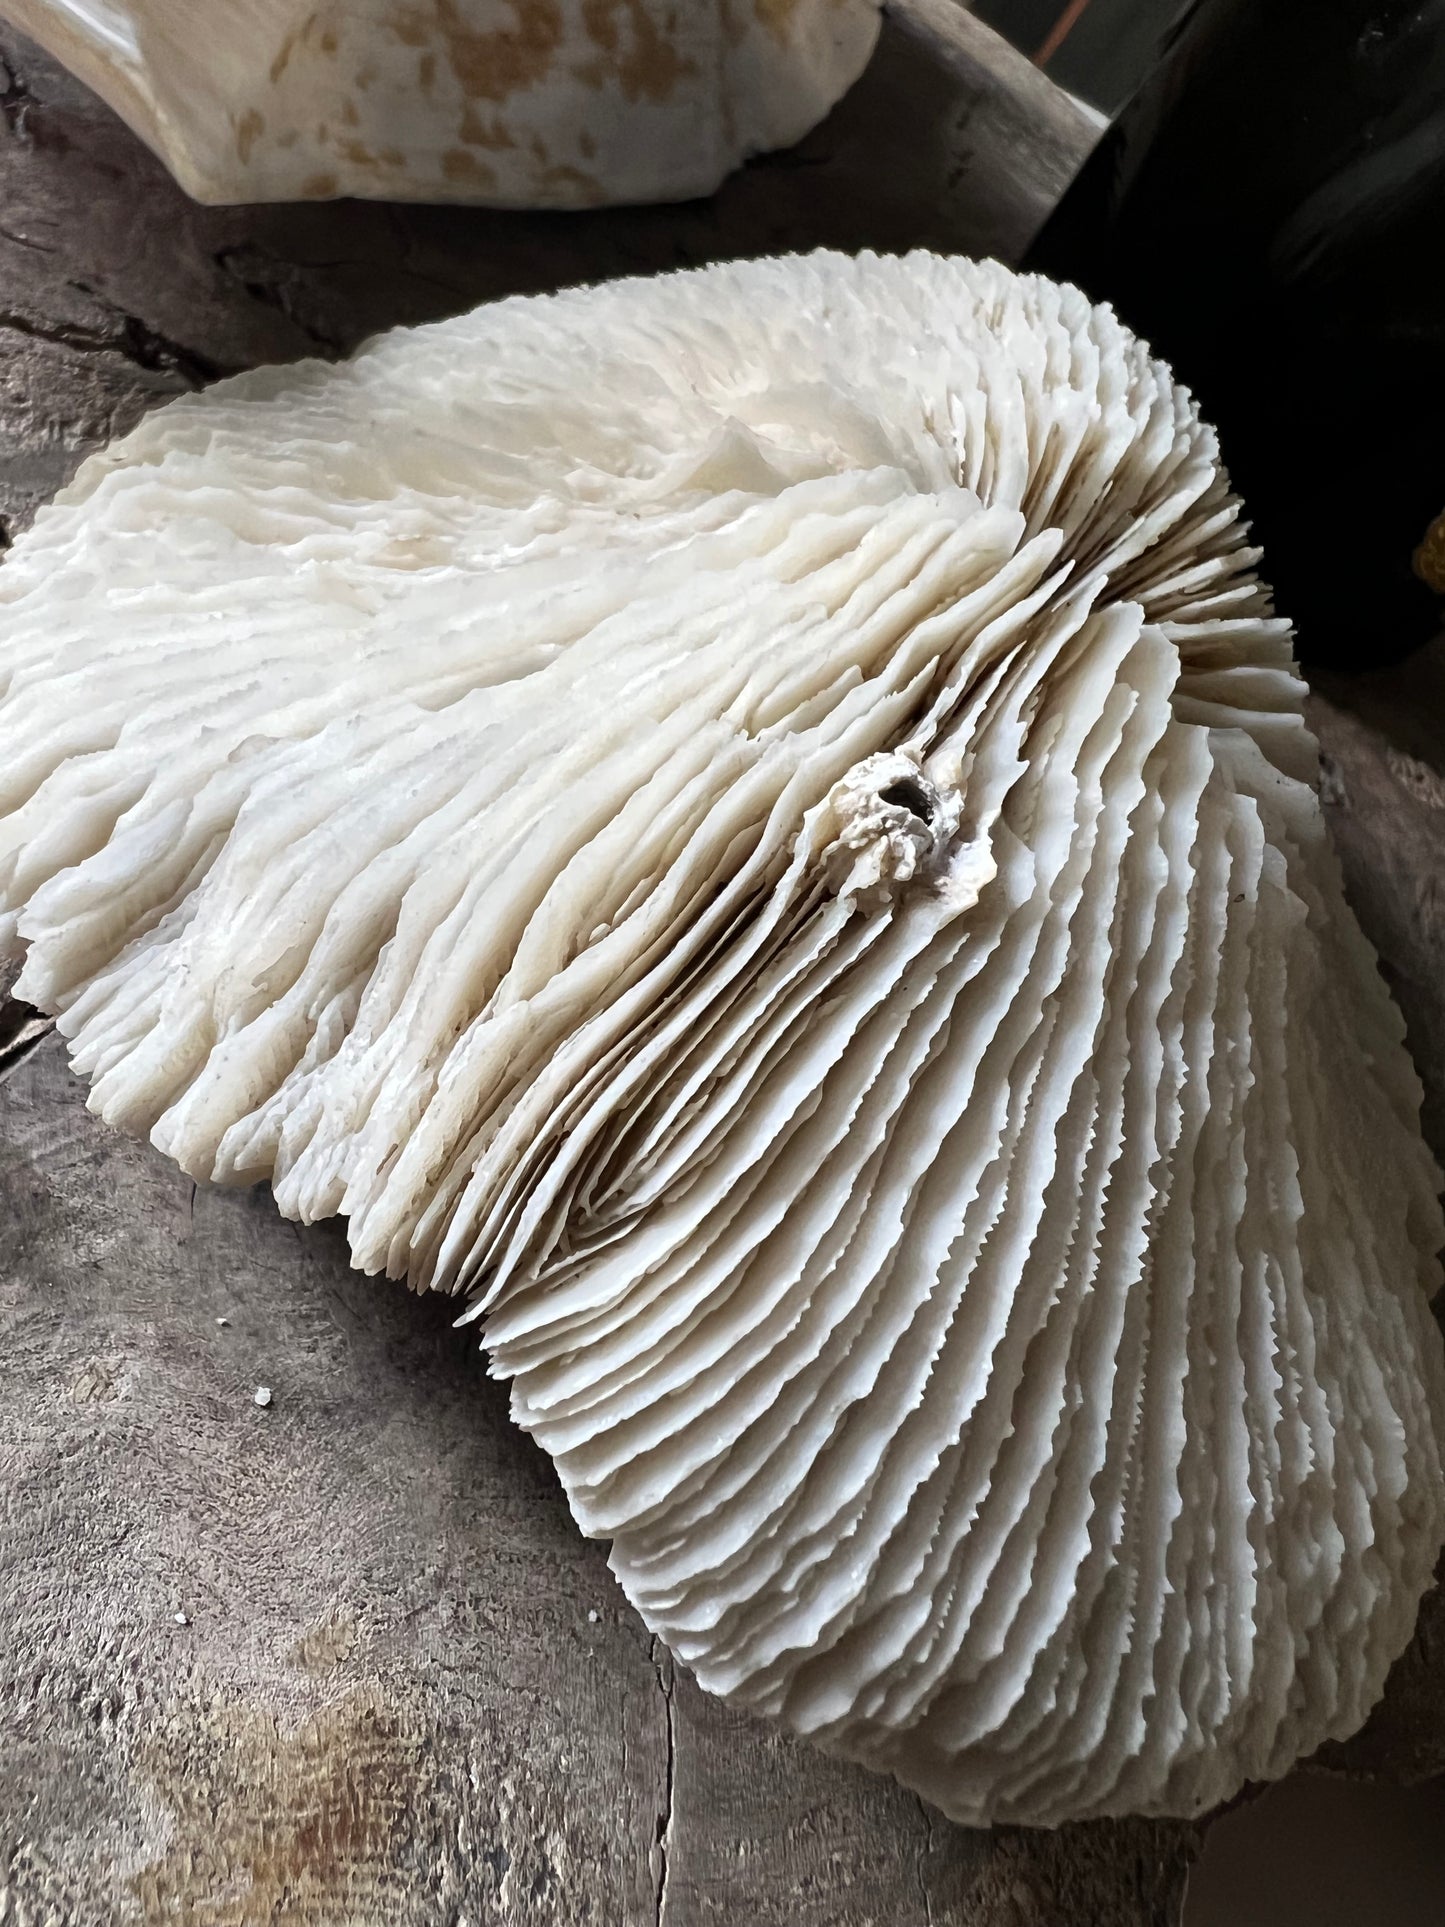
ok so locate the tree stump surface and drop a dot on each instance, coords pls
(343, 1660)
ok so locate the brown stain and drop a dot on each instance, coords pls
(248, 127)
(283, 56)
(365, 76)
(95, 1383)
(290, 1830)
(411, 26)
(466, 170)
(491, 64)
(328, 41)
(777, 17)
(493, 134)
(359, 154)
(323, 1646)
(500, 63)
(588, 191)
(587, 145)
(318, 187)
(349, 116)
(644, 62)
(426, 72)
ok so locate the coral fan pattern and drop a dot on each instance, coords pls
(758, 824)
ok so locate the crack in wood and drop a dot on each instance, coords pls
(925, 1861)
(666, 1681)
(24, 241)
(266, 280)
(134, 340)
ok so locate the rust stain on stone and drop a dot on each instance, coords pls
(328, 41)
(318, 187)
(248, 127)
(644, 62)
(290, 1830)
(283, 56)
(349, 116)
(466, 170)
(494, 134)
(426, 72)
(490, 64)
(777, 17)
(495, 65)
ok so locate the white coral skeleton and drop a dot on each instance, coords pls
(758, 824)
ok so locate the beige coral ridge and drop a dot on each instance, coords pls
(758, 825)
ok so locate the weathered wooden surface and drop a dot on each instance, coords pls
(390, 1701)
(1382, 741)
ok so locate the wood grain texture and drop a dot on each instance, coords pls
(405, 1690)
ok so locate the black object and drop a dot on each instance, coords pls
(1269, 212)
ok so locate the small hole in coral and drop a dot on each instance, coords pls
(908, 795)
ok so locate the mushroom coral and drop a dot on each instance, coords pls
(511, 103)
(758, 824)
